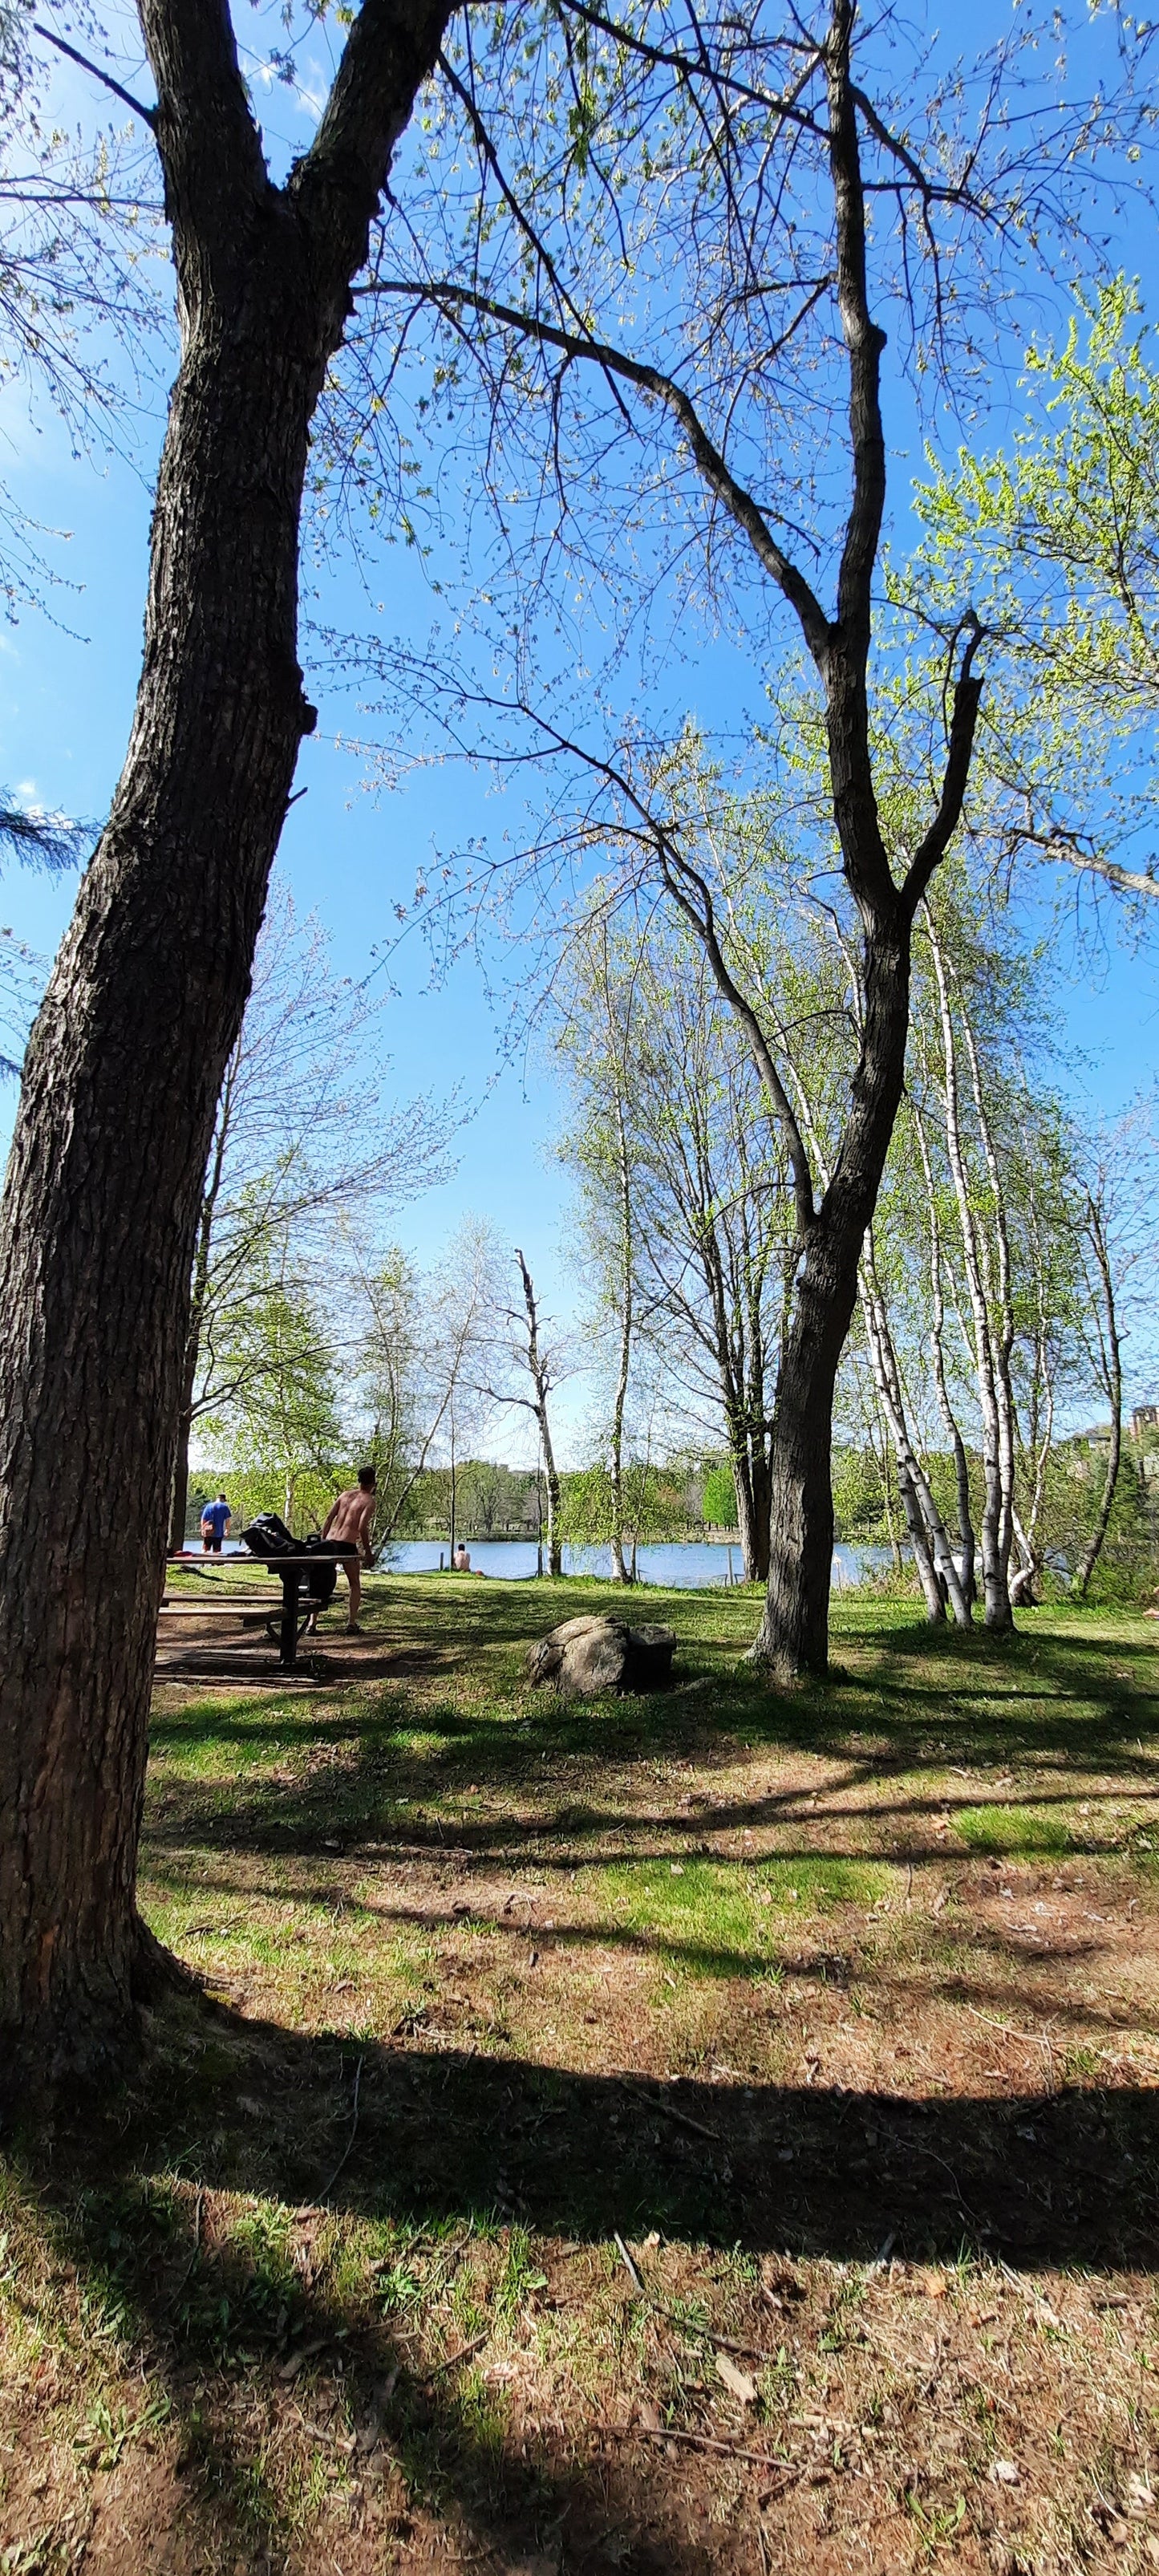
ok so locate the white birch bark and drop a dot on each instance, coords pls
(996, 1530)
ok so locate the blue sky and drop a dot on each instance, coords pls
(67, 681)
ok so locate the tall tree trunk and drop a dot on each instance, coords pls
(554, 1539)
(746, 1516)
(794, 1634)
(197, 1301)
(539, 1369)
(179, 1504)
(1113, 1379)
(1040, 1427)
(619, 1568)
(933, 1554)
(966, 1539)
(1000, 1309)
(997, 1527)
(793, 1637)
(104, 1181)
(750, 1476)
(905, 1463)
(451, 1532)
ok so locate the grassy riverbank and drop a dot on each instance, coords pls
(841, 2012)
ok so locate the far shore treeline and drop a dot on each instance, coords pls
(693, 1499)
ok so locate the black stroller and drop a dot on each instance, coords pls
(307, 1569)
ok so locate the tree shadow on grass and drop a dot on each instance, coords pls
(180, 2215)
(926, 1698)
(813, 1951)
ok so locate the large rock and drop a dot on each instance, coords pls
(585, 1656)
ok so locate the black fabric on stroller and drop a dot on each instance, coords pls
(269, 1538)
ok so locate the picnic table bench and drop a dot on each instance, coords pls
(292, 1572)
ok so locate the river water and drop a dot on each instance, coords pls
(687, 1566)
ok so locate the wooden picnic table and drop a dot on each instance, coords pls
(288, 1570)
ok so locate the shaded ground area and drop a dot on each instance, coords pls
(708, 2132)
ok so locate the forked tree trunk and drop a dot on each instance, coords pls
(105, 1177)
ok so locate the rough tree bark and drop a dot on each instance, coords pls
(104, 1184)
(751, 1478)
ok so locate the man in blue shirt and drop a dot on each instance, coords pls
(215, 1521)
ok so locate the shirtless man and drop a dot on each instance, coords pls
(348, 1523)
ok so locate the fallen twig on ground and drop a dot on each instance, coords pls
(328, 2185)
(451, 2360)
(707, 2334)
(709, 2442)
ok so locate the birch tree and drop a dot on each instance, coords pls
(422, 1347)
(708, 1188)
(532, 1361)
(597, 1041)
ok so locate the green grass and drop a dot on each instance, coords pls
(1015, 1830)
(723, 1971)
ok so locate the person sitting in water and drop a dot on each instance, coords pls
(460, 1560)
(215, 1523)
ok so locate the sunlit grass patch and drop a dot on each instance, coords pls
(711, 1918)
(1012, 1832)
(803, 1883)
(701, 1915)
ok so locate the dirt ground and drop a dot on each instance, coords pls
(707, 2132)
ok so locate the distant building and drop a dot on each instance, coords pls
(1145, 1417)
